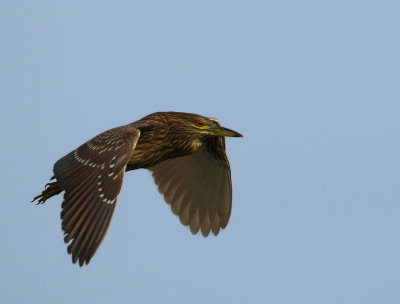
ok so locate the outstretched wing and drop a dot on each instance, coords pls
(92, 177)
(198, 187)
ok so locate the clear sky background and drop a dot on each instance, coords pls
(312, 85)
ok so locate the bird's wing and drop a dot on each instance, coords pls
(92, 177)
(198, 187)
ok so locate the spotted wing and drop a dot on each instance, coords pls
(198, 187)
(92, 177)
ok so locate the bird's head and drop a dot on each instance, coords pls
(198, 126)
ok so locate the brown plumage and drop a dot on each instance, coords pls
(186, 155)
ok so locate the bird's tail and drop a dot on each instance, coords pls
(50, 190)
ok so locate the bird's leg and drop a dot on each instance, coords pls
(50, 190)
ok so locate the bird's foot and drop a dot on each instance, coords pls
(50, 190)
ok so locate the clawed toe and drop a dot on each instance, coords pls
(50, 190)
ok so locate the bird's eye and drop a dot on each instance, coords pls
(199, 123)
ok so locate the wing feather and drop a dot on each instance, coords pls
(92, 178)
(198, 187)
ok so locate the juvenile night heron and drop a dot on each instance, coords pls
(186, 155)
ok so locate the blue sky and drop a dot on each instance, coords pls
(312, 85)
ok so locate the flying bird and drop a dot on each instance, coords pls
(186, 155)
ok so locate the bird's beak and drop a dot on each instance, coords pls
(221, 131)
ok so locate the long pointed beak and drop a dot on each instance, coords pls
(221, 131)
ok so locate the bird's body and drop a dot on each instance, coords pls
(160, 139)
(186, 154)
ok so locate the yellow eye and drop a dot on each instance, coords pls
(199, 123)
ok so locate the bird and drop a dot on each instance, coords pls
(186, 155)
